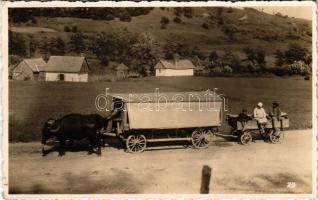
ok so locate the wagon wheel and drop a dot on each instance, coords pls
(200, 138)
(136, 143)
(246, 137)
(274, 137)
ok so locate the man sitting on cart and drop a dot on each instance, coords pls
(275, 115)
(260, 116)
(243, 118)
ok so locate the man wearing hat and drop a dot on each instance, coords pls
(260, 116)
(275, 113)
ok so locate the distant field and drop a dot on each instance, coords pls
(32, 103)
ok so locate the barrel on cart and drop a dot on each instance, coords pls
(245, 131)
(154, 117)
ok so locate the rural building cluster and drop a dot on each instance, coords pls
(76, 68)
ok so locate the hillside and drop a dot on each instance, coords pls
(224, 29)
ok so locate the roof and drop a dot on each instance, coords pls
(65, 64)
(169, 97)
(36, 64)
(121, 66)
(174, 64)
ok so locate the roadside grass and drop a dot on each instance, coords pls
(32, 103)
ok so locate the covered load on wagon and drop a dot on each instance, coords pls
(151, 117)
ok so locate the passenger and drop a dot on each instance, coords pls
(260, 116)
(118, 106)
(243, 118)
(275, 114)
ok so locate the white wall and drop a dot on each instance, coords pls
(174, 72)
(72, 77)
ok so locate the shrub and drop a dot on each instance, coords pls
(177, 20)
(205, 26)
(216, 71)
(67, 29)
(104, 61)
(74, 29)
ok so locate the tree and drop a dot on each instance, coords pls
(164, 21)
(74, 29)
(280, 58)
(229, 31)
(57, 46)
(172, 47)
(205, 26)
(45, 48)
(67, 29)
(231, 60)
(187, 12)
(17, 44)
(177, 20)
(213, 56)
(256, 57)
(32, 46)
(77, 43)
(295, 53)
(146, 53)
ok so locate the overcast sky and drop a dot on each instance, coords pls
(298, 12)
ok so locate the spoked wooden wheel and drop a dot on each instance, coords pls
(136, 143)
(246, 138)
(201, 138)
(274, 137)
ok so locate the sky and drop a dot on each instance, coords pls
(304, 12)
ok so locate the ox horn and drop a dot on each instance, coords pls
(54, 130)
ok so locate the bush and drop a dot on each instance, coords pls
(205, 26)
(74, 29)
(125, 17)
(67, 29)
(177, 20)
(216, 71)
(164, 20)
(104, 61)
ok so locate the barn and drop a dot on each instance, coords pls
(67, 68)
(29, 69)
(175, 67)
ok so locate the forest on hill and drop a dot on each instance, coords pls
(218, 39)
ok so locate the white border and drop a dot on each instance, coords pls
(4, 17)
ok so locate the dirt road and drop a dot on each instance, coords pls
(255, 168)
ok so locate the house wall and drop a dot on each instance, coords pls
(174, 72)
(69, 77)
(22, 72)
(121, 74)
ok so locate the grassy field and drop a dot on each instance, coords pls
(32, 103)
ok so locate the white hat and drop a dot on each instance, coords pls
(260, 104)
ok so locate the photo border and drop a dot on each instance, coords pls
(5, 92)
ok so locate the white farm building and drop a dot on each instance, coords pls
(176, 67)
(67, 68)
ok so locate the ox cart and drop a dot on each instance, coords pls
(153, 117)
(245, 132)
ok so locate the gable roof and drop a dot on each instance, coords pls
(65, 63)
(36, 64)
(171, 64)
(121, 66)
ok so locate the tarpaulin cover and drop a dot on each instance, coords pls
(174, 115)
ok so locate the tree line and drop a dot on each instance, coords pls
(22, 15)
(141, 52)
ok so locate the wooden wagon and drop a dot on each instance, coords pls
(245, 132)
(153, 117)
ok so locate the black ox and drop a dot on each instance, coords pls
(75, 127)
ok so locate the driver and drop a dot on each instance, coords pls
(118, 106)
